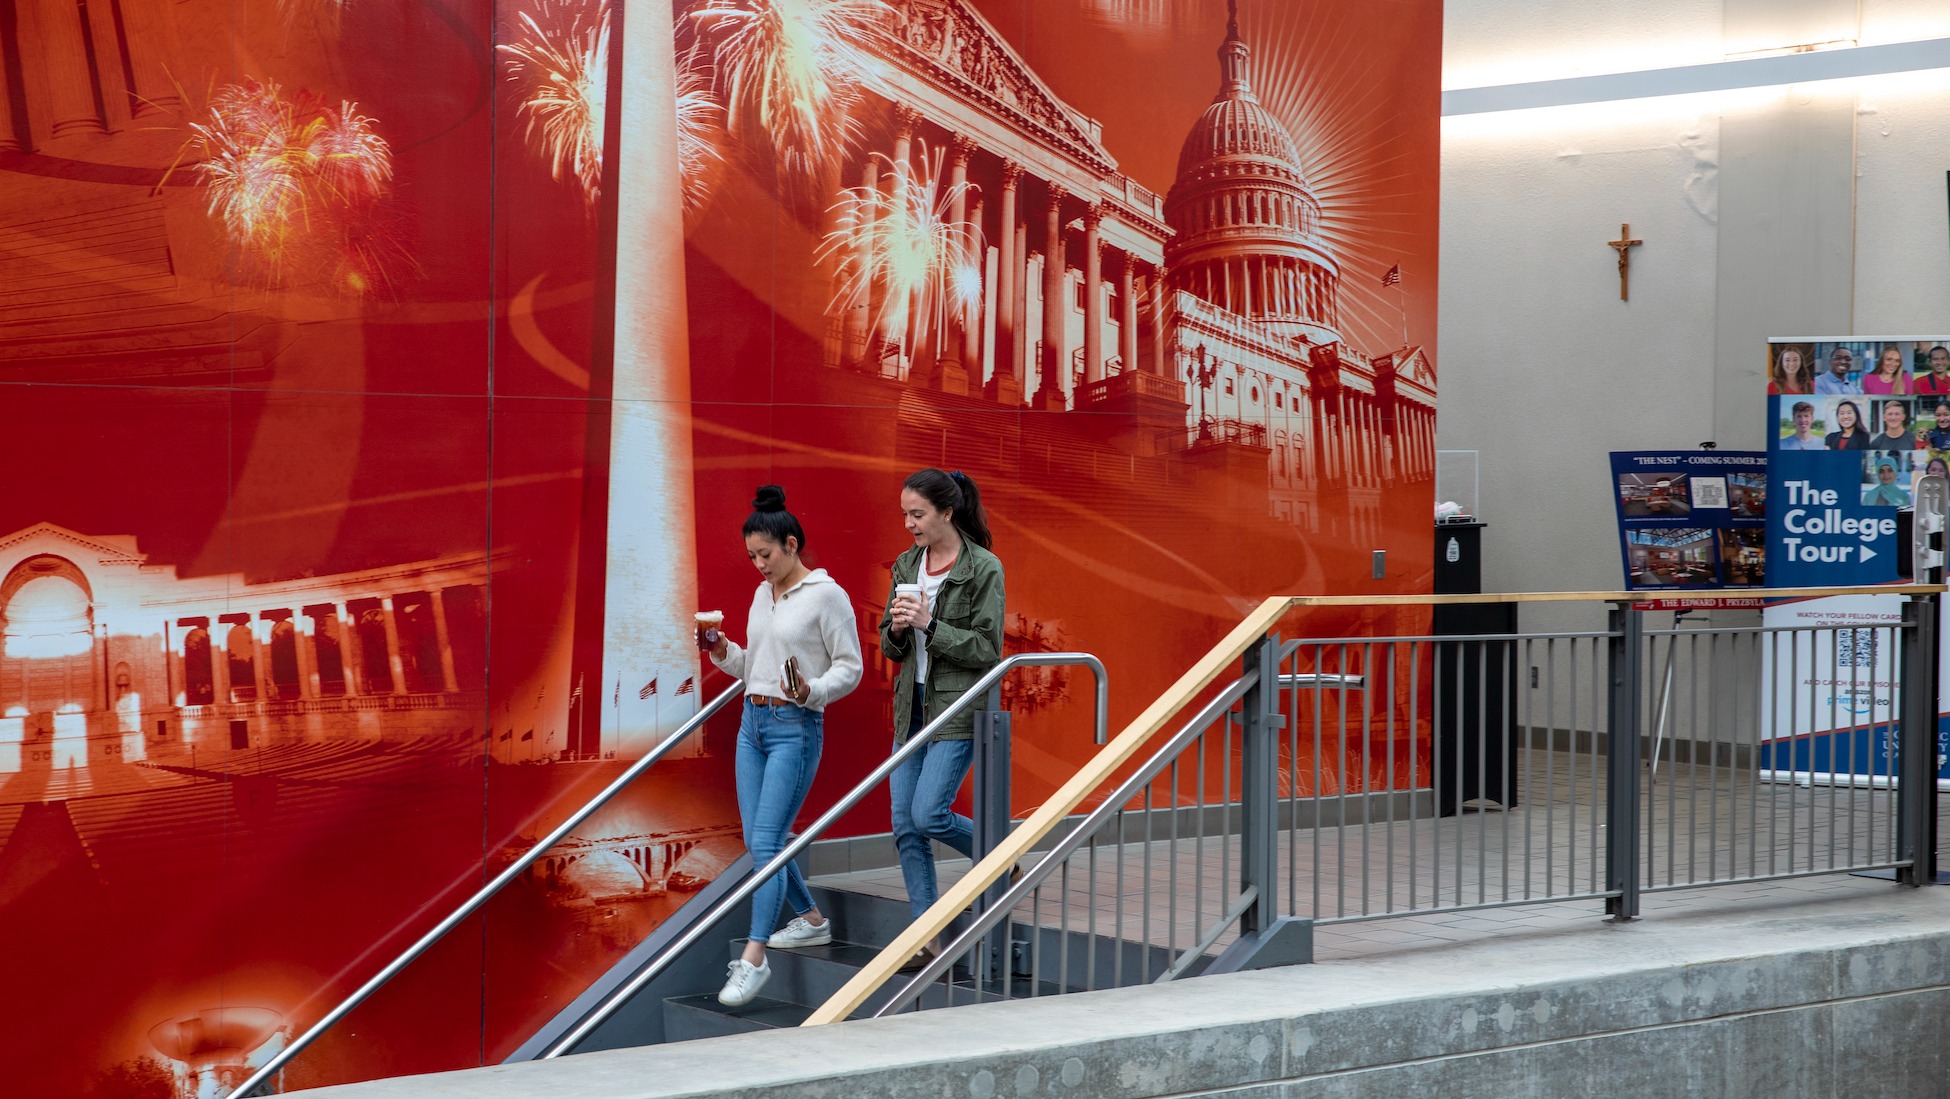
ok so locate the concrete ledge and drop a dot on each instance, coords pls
(1838, 997)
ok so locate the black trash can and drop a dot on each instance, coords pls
(1475, 682)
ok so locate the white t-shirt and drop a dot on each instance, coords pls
(930, 589)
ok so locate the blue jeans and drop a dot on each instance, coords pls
(778, 751)
(923, 794)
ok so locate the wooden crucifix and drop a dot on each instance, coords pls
(1624, 243)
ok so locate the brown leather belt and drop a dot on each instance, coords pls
(768, 700)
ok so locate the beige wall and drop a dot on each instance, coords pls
(1799, 210)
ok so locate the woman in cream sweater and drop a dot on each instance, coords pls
(802, 653)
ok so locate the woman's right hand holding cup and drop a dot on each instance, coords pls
(710, 635)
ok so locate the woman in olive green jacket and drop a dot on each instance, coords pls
(943, 623)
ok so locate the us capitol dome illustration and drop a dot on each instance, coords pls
(1247, 225)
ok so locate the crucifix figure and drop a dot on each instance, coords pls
(1624, 243)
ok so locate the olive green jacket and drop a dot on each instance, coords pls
(966, 643)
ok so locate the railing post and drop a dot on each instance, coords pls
(991, 819)
(1259, 794)
(1916, 767)
(1622, 762)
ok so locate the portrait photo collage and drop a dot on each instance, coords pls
(1881, 405)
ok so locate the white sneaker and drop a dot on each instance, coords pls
(799, 933)
(742, 982)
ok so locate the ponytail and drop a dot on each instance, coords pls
(970, 518)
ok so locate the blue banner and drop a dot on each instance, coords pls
(1851, 425)
(1827, 527)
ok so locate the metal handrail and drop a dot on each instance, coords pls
(709, 920)
(1309, 679)
(473, 904)
(1696, 596)
(1032, 879)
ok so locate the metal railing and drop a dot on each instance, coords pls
(991, 802)
(977, 885)
(487, 892)
(1633, 763)
(1434, 856)
(1705, 822)
(1074, 947)
(1069, 951)
(1339, 779)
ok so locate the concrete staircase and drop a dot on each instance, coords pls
(681, 1004)
(803, 979)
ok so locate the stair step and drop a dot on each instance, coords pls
(862, 917)
(687, 1018)
(684, 999)
(811, 975)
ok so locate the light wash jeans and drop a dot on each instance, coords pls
(923, 793)
(778, 751)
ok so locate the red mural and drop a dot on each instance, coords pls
(384, 386)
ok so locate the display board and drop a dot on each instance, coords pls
(1852, 424)
(1691, 519)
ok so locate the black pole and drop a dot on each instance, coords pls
(1916, 811)
(1622, 764)
(992, 794)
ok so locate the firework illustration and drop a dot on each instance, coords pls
(790, 72)
(297, 184)
(899, 249)
(561, 60)
(347, 155)
(250, 165)
(700, 134)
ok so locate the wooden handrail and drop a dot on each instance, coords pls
(1609, 596)
(1052, 813)
(1139, 732)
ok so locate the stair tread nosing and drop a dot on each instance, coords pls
(838, 951)
(760, 1014)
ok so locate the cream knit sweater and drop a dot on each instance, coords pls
(813, 621)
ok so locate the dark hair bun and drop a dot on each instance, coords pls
(769, 498)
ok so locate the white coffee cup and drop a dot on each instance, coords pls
(902, 591)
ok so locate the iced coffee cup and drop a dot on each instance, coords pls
(708, 632)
